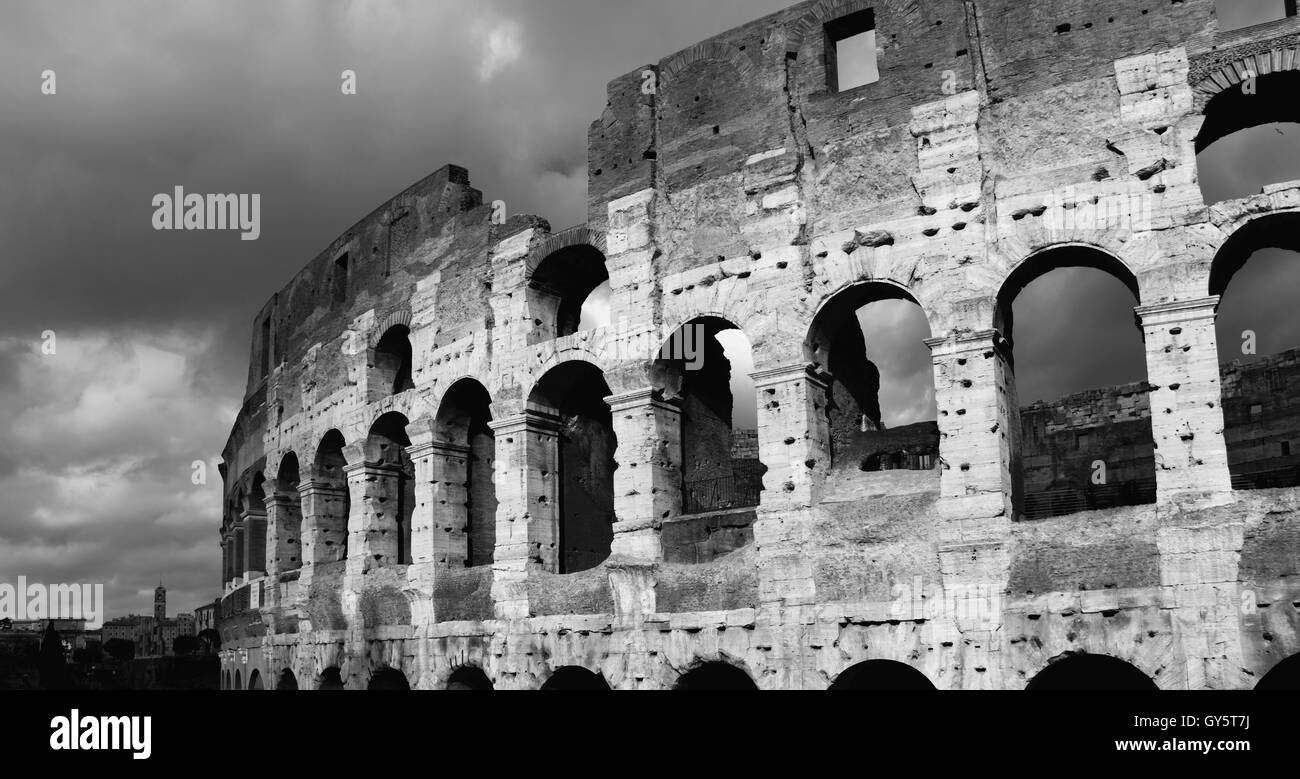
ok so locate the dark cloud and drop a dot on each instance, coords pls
(243, 96)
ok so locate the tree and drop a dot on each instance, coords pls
(120, 649)
(184, 645)
(209, 640)
(53, 663)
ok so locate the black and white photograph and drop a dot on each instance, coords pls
(868, 361)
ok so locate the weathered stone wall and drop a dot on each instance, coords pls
(730, 182)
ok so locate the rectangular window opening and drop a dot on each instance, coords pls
(851, 51)
(340, 288)
(1237, 14)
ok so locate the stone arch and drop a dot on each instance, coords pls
(716, 51)
(392, 368)
(468, 677)
(1059, 254)
(718, 464)
(388, 678)
(1285, 675)
(575, 677)
(330, 679)
(715, 675)
(398, 318)
(255, 680)
(327, 540)
(1110, 425)
(390, 490)
(882, 675)
(1082, 671)
(837, 347)
(575, 431)
(1227, 109)
(287, 680)
(560, 275)
(239, 680)
(1258, 428)
(581, 235)
(463, 460)
(1275, 230)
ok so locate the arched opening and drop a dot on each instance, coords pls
(704, 368)
(596, 308)
(255, 680)
(330, 679)
(239, 680)
(287, 504)
(464, 464)
(287, 681)
(715, 675)
(1256, 273)
(391, 488)
(468, 678)
(882, 675)
(225, 680)
(1283, 676)
(571, 396)
(869, 342)
(392, 362)
(560, 286)
(388, 679)
(334, 504)
(572, 677)
(255, 529)
(1091, 672)
(1078, 376)
(1250, 138)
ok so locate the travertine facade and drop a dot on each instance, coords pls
(730, 183)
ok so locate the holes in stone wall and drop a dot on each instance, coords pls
(392, 482)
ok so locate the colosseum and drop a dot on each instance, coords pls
(443, 476)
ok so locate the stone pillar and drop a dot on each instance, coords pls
(373, 524)
(283, 526)
(325, 509)
(239, 570)
(527, 461)
(647, 482)
(254, 543)
(794, 445)
(227, 558)
(1186, 407)
(441, 512)
(979, 429)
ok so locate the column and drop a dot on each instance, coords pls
(647, 482)
(441, 514)
(979, 424)
(373, 523)
(254, 520)
(325, 508)
(794, 445)
(527, 460)
(1186, 407)
(283, 525)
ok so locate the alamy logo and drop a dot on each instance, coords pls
(179, 211)
(93, 732)
(53, 601)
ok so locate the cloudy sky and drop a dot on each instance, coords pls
(151, 329)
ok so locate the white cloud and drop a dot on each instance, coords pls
(502, 47)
